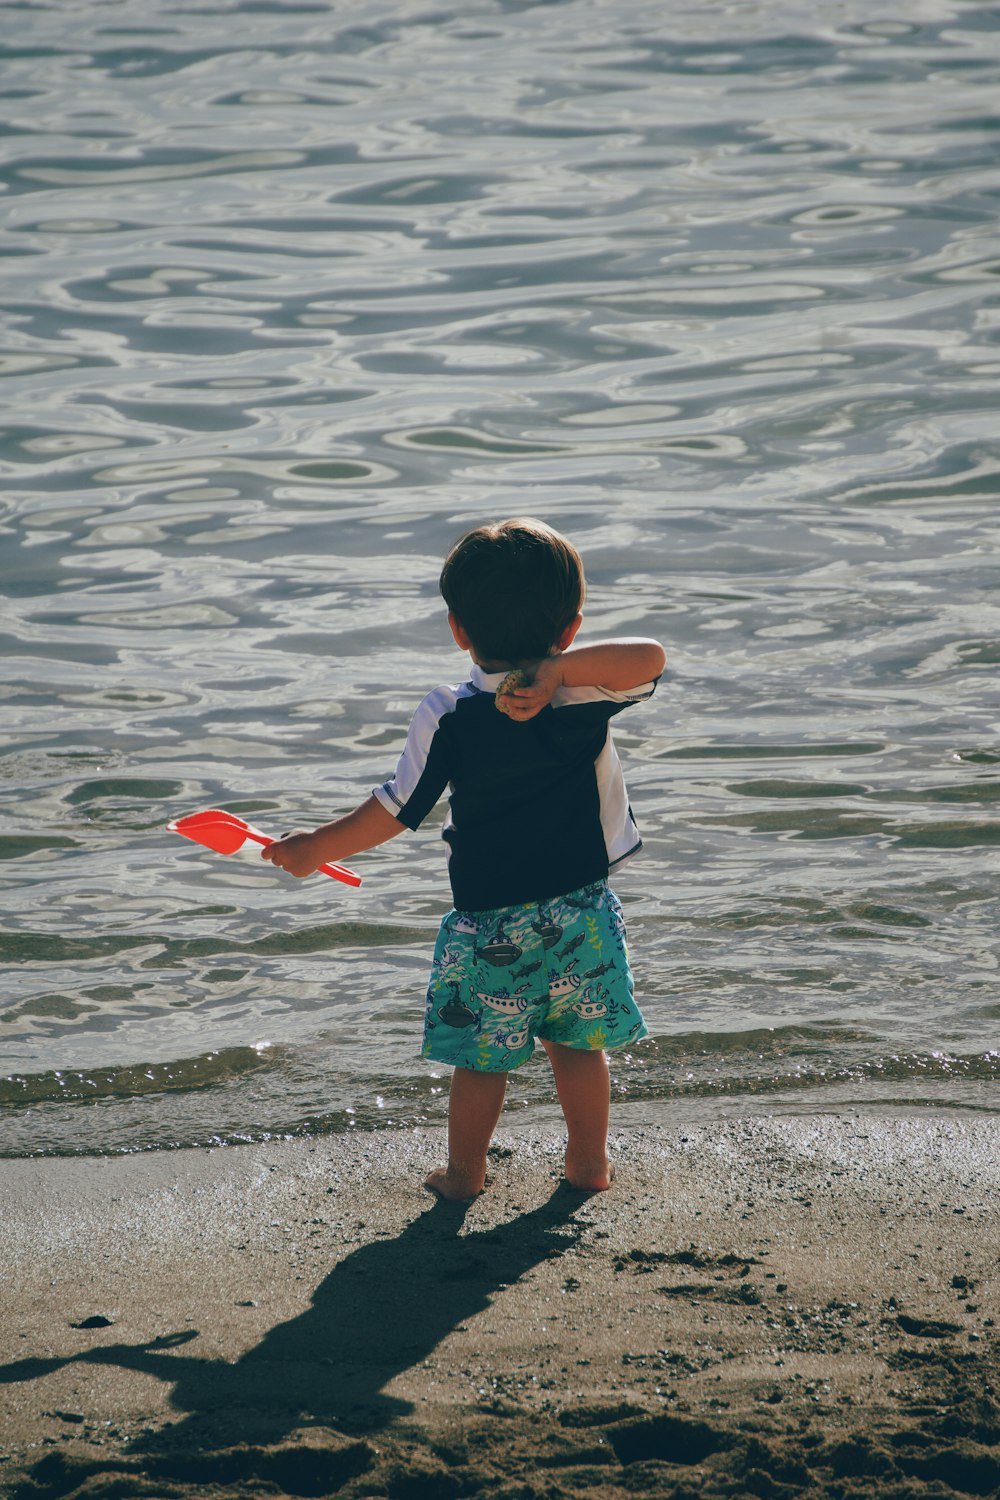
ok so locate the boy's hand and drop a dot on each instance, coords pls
(301, 853)
(296, 852)
(524, 701)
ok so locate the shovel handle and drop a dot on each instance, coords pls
(339, 872)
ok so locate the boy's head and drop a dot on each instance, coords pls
(514, 587)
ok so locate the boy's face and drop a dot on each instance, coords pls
(462, 639)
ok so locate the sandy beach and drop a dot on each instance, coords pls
(802, 1306)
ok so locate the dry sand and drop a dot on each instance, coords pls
(802, 1306)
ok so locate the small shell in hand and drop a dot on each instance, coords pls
(514, 679)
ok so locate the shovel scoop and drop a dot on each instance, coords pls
(225, 833)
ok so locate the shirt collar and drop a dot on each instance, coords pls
(486, 682)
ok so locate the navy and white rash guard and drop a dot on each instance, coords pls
(536, 809)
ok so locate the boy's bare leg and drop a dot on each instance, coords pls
(474, 1106)
(584, 1088)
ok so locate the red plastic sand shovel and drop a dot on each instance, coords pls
(225, 833)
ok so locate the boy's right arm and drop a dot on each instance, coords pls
(618, 665)
(303, 853)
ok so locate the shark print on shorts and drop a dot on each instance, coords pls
(553, 971)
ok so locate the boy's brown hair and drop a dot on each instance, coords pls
(513, 586)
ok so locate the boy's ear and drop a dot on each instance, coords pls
(457, 630)
(566, 639)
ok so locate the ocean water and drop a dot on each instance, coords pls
(294, 293)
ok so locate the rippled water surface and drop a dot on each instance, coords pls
(294, 293)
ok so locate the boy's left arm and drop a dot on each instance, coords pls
(618, 665)
(303, 853)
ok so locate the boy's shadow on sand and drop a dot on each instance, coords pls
(380, 1311)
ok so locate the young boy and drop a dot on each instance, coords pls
(535, 946)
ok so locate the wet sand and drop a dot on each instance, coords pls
(803, 1306)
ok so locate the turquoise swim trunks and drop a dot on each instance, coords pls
(555, 970)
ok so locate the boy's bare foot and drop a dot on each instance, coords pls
(590, 1177)
(456, 1186)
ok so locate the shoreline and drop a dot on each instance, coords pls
(800, 1305)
